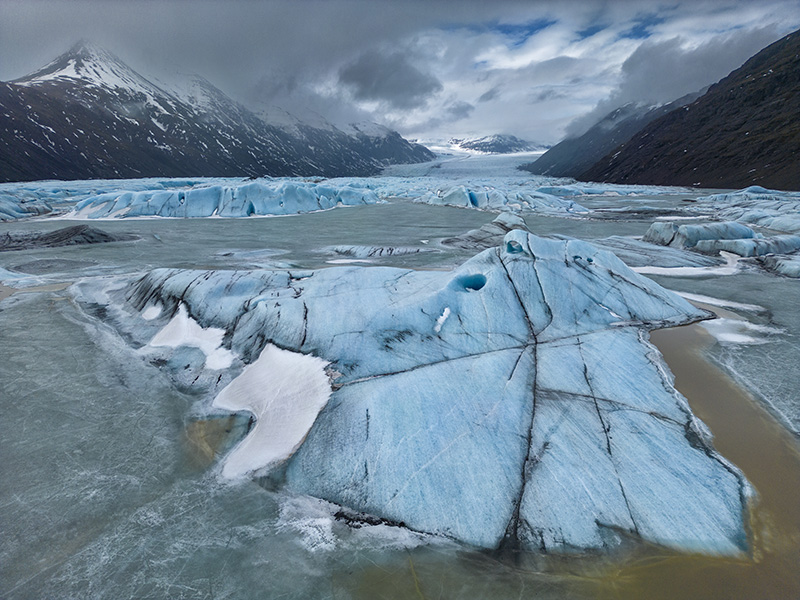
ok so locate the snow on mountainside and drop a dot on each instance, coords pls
(496, 144)
(93, 66)
(88, 115)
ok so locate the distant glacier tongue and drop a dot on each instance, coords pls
(512, 402)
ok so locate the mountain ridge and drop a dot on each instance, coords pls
(496, 144)
(86, 114)
(573, 156)
(743, 131)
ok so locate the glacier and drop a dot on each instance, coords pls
(248, 199)
(512, 403)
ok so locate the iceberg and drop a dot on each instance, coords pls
(13, 208)
(777, 244)
(788, 266)
(512, 403)
(496, 199)
(667, 233)
(638, 253)
(729, 239)
(757, 206)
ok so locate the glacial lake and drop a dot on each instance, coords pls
(109, 483)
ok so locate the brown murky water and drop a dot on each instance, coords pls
(205, 439)
(747, 435)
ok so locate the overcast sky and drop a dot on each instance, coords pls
(430, 69)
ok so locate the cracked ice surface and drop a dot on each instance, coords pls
(534, 415)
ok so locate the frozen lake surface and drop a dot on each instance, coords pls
(110, 468)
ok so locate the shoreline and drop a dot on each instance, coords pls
(748, 435)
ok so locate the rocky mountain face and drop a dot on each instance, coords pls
(743, 131)
(572, 156)
(496, 144)
(88, 115)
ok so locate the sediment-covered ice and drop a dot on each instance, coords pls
(513, 402)
(376, 251)
(68, 236)
(489, 235)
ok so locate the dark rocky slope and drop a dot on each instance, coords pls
(573, 156)
(743, 131)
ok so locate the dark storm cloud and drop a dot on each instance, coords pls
(659, 72)
(490, 94)
(459, 110)
(453, 112)
(389, 78)
(408, 63)
(546, 94)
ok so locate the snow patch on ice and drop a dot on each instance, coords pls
(284, 391)
(440, 321)
(347, 261)
(721, 303)
(182, 330)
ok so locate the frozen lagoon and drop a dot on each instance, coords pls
(110, 491)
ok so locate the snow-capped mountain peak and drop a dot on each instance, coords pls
(93, 66)
(496, 144)
(196, 91)
(87, 114)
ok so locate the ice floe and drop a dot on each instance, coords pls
(757, 206)
(513, 402)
